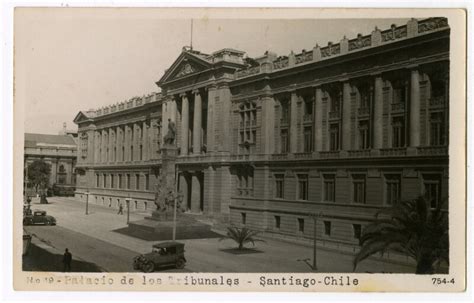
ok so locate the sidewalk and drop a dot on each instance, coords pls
(208, 255)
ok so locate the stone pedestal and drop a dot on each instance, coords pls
(168, 179)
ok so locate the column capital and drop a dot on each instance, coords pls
(182, 95)
(413, 67)
(211, 87)
(195, 91)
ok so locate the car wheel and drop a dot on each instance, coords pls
(148, 267)
(180, 264)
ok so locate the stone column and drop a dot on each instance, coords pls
(268, 124)
(145, 140)
(197, 126)
(195, 194)
(184, 124)
(378, 113)
(97, 147)
(120, 143)
(293, 123)
(105, 140)
(318, 120)
(346, 116)
(126, 136)
(415, 108)
(183, 188)
(211, 96)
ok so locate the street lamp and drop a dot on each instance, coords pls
(177, 197)
(315, 216)
(87, 202)
(127, 201)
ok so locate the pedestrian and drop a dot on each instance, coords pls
(120, 212)
(67, 259)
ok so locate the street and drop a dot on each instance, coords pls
(91, 238)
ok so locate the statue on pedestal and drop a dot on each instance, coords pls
(171, 134)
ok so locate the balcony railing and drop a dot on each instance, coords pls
(305, 155)
(329, 154)
(363, 111)
(437, 101)
(361, 153)
(432, 150)
(398, 107)
(334, 115)
(307, 118)
(395, 151)
(283, 121)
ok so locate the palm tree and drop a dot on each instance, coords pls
(241, 236)
(411, 228)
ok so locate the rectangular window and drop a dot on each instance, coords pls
(120, 181)
(432, 189)
(399, 94)
(131, 153)
(308, 139)
(357, 229)
(147, 182)
(97, 180)
(327, 228)
(128, 181)
(277, 222)
(301, 225)
(329, 188)
(392, 189)
(437, 136)
(334, 137)
(398, 132)
(137, 181)
(336, 102)
(141, 152)
(105, 181)
(123, 153)
(284, 141)
(112, 185)
(285, 113)
(279, 186)
(244, 218)
(303, 187)
(358, 188)
(364, 135)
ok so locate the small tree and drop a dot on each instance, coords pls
(411, 228)
(39, 173)
(241, 236)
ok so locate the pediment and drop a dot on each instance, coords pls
(186, 64)
(81, 117)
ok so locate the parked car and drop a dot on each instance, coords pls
(162, 254)
(39, 217)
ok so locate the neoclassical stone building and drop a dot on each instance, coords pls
(340, 130)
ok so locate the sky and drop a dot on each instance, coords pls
(77, 61)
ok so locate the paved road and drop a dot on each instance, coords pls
(91, 237)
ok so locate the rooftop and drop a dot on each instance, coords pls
(36, 140)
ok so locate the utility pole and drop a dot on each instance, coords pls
(87, 202)
(315, 217)
(127, 200)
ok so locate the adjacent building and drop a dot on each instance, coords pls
(60, 152)
(337, 131)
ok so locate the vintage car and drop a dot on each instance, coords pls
(39, 217)
(162, 254)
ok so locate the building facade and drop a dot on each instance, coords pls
(59, 151)
(338, 131)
